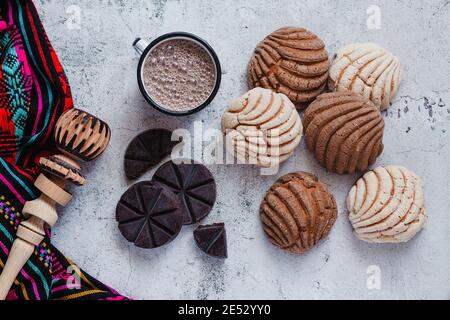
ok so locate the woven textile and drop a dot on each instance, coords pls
(34, 92)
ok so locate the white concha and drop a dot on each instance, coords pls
(369, 70)
(386, 205)
(262, 127)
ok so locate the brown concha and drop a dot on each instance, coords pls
(345, 132)
(298, 212)
(292, 61)
(82, 135)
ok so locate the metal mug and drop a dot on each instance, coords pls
(143, 47)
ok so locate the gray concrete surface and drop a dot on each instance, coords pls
(101, 66)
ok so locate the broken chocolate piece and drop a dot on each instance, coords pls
(147, 150)
(212, 240)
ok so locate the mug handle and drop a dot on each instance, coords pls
(140, 45)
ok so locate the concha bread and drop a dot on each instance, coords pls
(262, 128)
(387, 205)
(292, 61)
(298, 212)
(345, 132)
(369, 70)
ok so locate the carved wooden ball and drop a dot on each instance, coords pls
(292, 61)
(298, 212)
(82, 135)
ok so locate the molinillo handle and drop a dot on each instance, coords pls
(140, 45)
(80, 137)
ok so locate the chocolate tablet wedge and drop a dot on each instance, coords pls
(212, 240)
(147, 150)
(194, 185)
(149, 215)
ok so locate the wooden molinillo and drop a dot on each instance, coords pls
(80, 137)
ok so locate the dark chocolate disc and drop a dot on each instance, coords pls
(194, 185)
(147, 150)
(149, 215)
(212, 240)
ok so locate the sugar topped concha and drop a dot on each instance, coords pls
(387, 205)
(369, 70)
(262, 127)
(292, 61)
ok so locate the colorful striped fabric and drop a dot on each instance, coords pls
(34, 92)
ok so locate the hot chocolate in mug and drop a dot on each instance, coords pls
(178, 73)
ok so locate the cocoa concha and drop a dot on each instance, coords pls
(298, 212)
(344, 131)
(292, 61)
